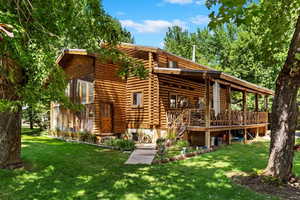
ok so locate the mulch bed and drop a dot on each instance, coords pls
(260, 184)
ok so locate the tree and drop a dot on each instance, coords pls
(234, 50)
(37, 115)
(275, 27)
(29, 74)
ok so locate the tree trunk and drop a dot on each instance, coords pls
(10, 140)
(284, 114)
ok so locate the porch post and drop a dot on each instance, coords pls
(256, 102)
(245, 136)
(256, 109)
(207, 112)
(207, 103)
(266, 103)
(207, 139)
(229, 104)
(244, 106)
(257, 132)
(229, 137)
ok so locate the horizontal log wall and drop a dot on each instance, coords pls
(109, 88)
(146, 116)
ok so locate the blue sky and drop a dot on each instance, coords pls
(148, 20)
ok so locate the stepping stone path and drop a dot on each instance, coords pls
(143, 154)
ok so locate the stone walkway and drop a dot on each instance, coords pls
(143, 154)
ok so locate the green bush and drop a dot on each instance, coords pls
(124, 145)
(160, 141)
(182, 143)
(84, 136)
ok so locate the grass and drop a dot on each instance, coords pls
(58, 170)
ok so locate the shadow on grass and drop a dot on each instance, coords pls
(75, 171)
(33, 132)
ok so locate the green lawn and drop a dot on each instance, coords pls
(59, 170)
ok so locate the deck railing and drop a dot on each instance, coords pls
(196, 117)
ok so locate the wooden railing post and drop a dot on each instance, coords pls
(244, 106)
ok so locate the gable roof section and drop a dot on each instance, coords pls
(210, 71)
(67, 53)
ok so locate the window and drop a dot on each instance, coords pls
(137, 99)
(178, 101)
(183, 102)
(172, 64)
(83, 93)
(91, 92)
(67, 91)
(173, 100)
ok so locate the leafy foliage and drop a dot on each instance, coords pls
(232, 49)
(41, 28)
(38, 115)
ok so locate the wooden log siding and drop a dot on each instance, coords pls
(109, 88)
(142, 117)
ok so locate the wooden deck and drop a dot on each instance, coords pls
(224, 128)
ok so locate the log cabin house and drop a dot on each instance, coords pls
(179, 98)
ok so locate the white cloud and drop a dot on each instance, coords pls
(200, 2)
(179, 1)
(152, 26)
(200, 19)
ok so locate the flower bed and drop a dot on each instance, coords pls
(92, 139)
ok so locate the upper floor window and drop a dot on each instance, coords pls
(85, 91)
(68, 89)
(91, 92)
(137, 99)
(172, 64)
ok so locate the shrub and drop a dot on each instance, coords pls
(92, 138)
(160, 141)
(83, 136)
(182, 143)
(161, 147)
(124, 145)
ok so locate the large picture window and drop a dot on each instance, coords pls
(137, 99)
(178, 101)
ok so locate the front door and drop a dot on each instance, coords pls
(106, 117)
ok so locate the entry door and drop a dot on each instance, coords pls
(106, 117)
